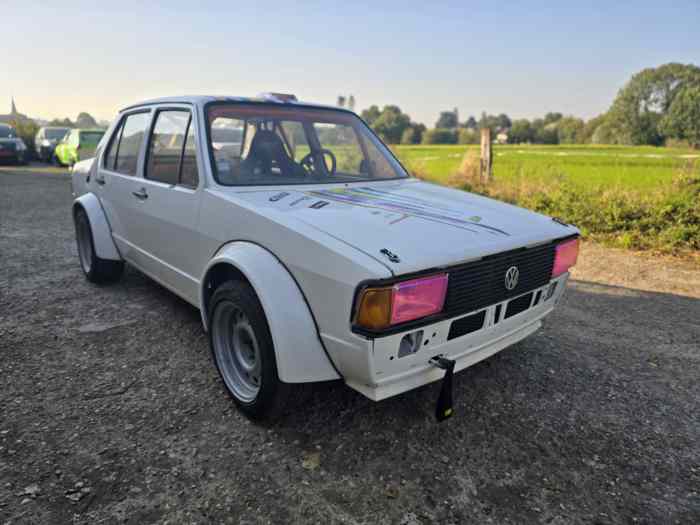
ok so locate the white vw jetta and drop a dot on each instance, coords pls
(310, 252)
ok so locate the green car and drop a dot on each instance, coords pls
(78, 144)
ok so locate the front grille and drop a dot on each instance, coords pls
(482, 283)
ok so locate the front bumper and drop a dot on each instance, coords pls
(390, 374)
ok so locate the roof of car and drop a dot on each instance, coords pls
(203, 99)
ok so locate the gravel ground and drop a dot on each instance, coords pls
(111, 409)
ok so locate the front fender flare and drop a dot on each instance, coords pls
(101, 232)
(301, 357)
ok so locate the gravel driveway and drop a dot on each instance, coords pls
(111, 409)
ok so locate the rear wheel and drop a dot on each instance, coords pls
(244, 353)
(96, 270)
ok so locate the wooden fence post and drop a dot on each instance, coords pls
(486, 162)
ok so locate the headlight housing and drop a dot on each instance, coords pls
(565, 257)
(381, 307)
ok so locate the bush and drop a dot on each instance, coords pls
(668, 221)
(440, 136)
(468, 136)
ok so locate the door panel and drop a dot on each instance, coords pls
(167, 239)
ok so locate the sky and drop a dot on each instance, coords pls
(519, 58)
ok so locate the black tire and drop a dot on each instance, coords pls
(270, 401)
(96, 270)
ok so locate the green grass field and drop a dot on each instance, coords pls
(635, 197)
(628, 167)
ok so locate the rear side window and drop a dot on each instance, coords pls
(123, 153)
(172, 156)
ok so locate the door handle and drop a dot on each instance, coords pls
(141, 194)
(98, 180)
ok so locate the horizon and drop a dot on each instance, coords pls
(424, 59)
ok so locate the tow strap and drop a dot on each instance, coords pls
(443, 408)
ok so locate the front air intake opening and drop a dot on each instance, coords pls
(467, 325)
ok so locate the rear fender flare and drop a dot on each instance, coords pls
(101, 232)
(301, 357)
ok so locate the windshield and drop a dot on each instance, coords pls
(91, 138)
(6, 132)
(55, 133)
(260, 144)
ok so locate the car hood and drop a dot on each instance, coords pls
(410, 225)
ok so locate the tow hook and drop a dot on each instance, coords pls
(443, 409)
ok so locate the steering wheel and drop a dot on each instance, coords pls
(309, 165)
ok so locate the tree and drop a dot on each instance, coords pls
(391, 124)
(503, 121)
(494, 122)
(85, 120)
(447, 120)
(637, 112)
(550, 118)
(682, 120)
(521, 132)
(590, 127)
(570, 130)
(471, 123)
(546, 134)
(370, 114)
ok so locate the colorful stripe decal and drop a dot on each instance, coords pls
(374, 198)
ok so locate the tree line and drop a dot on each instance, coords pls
(657, 106)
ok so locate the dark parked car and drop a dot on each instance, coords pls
(46, 140)
(12, 148)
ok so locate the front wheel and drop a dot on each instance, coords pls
(244, 353)
(96, 270)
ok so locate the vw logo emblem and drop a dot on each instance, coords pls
(512, 276)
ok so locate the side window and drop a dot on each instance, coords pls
(130, 141)
(166, 144)
(111, 154)
(172, 156)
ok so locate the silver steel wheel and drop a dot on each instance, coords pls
(84, 237)
(237, 351)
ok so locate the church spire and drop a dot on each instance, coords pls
(14, 108)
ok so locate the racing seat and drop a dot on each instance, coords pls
(267, 151)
